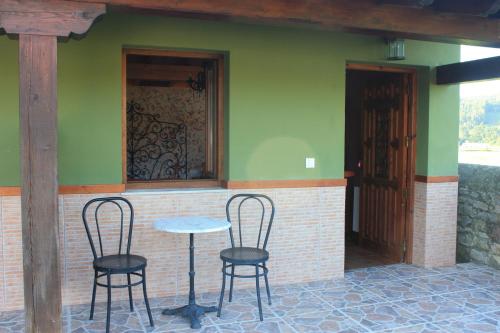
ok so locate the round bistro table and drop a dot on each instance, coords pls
(191, 225)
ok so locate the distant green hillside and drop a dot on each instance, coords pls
(480, 120)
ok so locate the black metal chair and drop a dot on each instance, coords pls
(108, 265)
(247, 256)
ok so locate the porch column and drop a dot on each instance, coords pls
(38, 126)
(38, 24)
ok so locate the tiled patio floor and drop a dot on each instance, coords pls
(396, 298)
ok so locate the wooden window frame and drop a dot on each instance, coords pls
(219, 131)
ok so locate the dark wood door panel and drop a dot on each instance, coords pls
(385, 128)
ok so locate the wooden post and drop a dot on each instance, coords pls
(39, 199)
(38, 24)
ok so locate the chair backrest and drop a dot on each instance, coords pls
(121, 205)
(242, 200)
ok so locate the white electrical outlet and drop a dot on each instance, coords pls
(310, 163)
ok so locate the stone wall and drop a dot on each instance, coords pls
(479, 214)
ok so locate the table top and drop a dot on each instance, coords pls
(191, 224)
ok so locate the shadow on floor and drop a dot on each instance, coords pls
(359, 257)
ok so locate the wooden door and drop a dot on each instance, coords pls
(384, 188)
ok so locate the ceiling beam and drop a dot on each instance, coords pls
(156, 72)
(475, 70)
(477, 7)
(408, 3)
(365, 16)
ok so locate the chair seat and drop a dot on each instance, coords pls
(244, 255)
(120, 263)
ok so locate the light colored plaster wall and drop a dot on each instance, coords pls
(306, 243)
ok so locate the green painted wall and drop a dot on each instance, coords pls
(9, 116)
(285, 98)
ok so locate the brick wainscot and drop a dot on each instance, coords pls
(306, 244)
(435, 223)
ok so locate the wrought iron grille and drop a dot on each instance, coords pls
(156, 150)
(382, 143)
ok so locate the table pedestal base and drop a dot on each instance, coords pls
(192, 312)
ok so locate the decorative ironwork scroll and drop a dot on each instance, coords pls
(381, 143)
(381, 101)
(156, 150)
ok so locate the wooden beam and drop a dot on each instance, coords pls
(463, 7)
(468, 7)
(436, 179)
(475, 70)
(162, 72)
(296, 183)
(39, 203)
(10, 191)
(409, 3)
(70, 189)
(365, 16)
(48, 17)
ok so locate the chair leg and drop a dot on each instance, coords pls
(108, 314)
(231, 284)
(146, 297)
(258, 291)
(222, 290)
(92, 304)
(130, 299)
(267, 285)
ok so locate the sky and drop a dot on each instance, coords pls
(483, 88)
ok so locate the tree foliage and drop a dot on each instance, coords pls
(472, 125)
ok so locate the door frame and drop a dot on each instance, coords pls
(412, 151)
